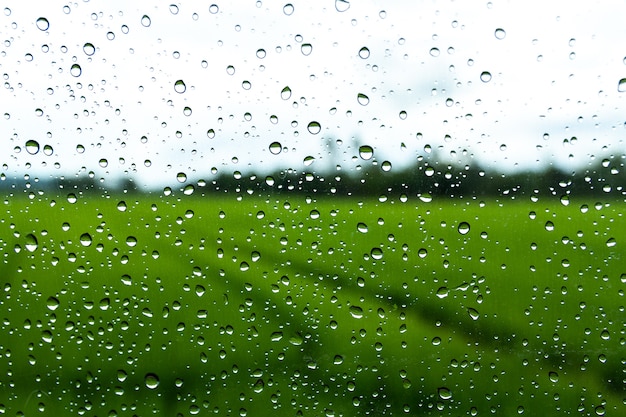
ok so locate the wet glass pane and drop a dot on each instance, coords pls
(312, 208)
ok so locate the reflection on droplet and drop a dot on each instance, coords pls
(464, 228)
(611, 242)
(434, 52)
(342, 5)
(85, 239)
(131, 241)
(376, 253)
(362, 227)
(485, 76)
(180, 87)
(549, 226)
(275, 148)
(173, 9)
(621, 85)
(314, 214)
(32, 146)
(473, 313)
(43, 24)
(553, 376)
(386, 166)
(366, 152)
(31, 242)
(364, 53)
(76, 70)
(213, 9)
(285, 93)
(442, 292)
(260, 53)
(314, 128)
(363, 99)
(308, 160)
(181, 177)
(121, 206)
(152, 381)
(500, 33)
(356, 312)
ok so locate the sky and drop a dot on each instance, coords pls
(152, 90)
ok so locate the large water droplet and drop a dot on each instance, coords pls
(145, 21)
(366, 152)
(362, 227)
(275, 148)
(152, 381)
(89, 49)
(621, 85)
(314, 128)
(611, 242)
(356, 312)
(444, 393)
(363, 99)
(43, 24)
(180, 87)
(464, 228)
(500, 33)
(85, 239)
(31, 242)
(285, 93)
(549, 226)
(473, 313)
(377, 253)
(288, 9)
(76, 70)
(32, 146)
(342, 5)
(485, 76)
(364, 53)
(306, 49)
(52, 303)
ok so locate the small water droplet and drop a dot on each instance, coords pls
(31, 242)
(342, 5)
(32, 146)
(386, 166)
(306, 49)
(89, 49)
(275, 148)
(258, 386)
(85, 239)
(314, 128)
(76, 70)
(314, 214)
(131, 241)
(152, 381)
(213, 9)
(276, 336)
(485, 76)
(473, 313)
(364, 53)
(308, 160)
(43, 24)
(621, 85)
(363, 99)
(121, 206)
(366, 152)
(500, 33)
(260, 53)
(464, 228)
(180, 87)
(145, 21)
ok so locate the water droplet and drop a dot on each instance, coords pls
(314, 128)
(605, 335)
(611, 242)
(342, 5)
(52, 303)
(260, 53)
(71, 198)
(337, 360)
(285, 93)
(181, 177)
(258, 386)
(356, 312)
(361, 227)
(565, 200)
(306, 49)
(314, 214)
(308, 160)
(213, 9)
(444, 393)
(434, 52)
(442, 292)
(275, 148)
(362, 99)
(152, 381)
(85, 239)
(89, 49)
(553, 376)
(288, 9)
(173, 9)
(464, 228)
(145, 21)
(376, 253)
(485, 76)
(500, 33)
(621, 85)
(276, 336)
(76, 70)
(549, 226)
(244, 266)
(180, 87)
(366, 152)
(43, 24)
(31, 242)
(422, 253)
(425, 197)
(386, 166)
(121, 206)
(364, 53)
(32, 146)
(131, 241)
(473, 313)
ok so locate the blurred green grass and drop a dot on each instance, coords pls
(307, 306)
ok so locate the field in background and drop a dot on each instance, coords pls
(135, 304)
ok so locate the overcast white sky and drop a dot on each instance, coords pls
(555, 69)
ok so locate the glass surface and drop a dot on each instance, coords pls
(329, 208)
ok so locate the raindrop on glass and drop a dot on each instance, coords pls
(306, 49)
(621, 85)
(275, 148)
(366, 152)
(364, 53)
(285, 93)
(180, 87)
(500, 33)
(288, 9)
(314, 128)
(342, 5)
(152, 381)
(76, 70)
(31, 242)
(464, 228)
(32, 146)
(43, 24)
(485, 76)
(85, 239)
(89, 49)
(363, 99)
(145, 21)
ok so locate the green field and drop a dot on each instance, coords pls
(287, 305)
